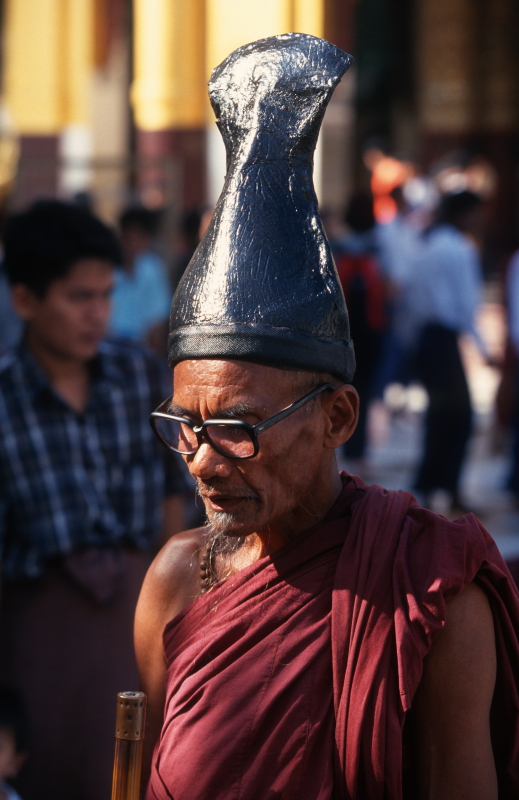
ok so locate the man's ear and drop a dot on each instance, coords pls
(342, 410)
(24, 300)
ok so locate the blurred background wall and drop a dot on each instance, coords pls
(106, 100)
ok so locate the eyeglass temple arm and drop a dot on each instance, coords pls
(262, 426)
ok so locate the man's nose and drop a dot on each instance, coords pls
(100, 310)
(207, 463)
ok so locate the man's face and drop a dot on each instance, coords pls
(280, 486)
(72, 317)
(134, 240)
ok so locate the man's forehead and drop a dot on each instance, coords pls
(228, 380)
(211, 371)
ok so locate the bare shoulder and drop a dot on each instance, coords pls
(461, 664)
(452, 704)
(465, 608)
(173, 579)
(467, 640)
(171, 583)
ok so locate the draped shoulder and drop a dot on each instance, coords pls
(399, 565)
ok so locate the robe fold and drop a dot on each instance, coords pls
(292, 678)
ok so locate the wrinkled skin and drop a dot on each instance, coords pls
(293, 481)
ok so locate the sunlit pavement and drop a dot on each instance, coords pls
(396, 433)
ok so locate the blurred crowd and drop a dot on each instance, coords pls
(409, 255)
(87, 495)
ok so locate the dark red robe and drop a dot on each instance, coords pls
(292, 679)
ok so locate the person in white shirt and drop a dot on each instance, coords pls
(444, 294)
(399, 245)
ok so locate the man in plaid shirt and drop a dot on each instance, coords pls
(85, 495)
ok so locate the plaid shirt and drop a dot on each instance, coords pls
(68, 480)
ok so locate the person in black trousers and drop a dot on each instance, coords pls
(445, 295)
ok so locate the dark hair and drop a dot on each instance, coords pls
(13, 717)
(455, 205)
(359, 214)
(44, 242)
(145, 219)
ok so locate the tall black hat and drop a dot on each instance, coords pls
(262, 285)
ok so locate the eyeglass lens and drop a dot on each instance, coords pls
(229, 439)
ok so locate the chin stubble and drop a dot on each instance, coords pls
(220, 545)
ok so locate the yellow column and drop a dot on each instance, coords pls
(169, 85)
(76, 143)
(232, 23)
(78, 48)
(48, 70)
(309, 17)
(168, 99)
(34, 65)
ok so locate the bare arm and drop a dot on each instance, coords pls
(172, 582)
(453, 754)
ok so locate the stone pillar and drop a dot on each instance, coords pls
(76, 139)
(168, 98)
(113, 167)
(48, 70)
(34, 95)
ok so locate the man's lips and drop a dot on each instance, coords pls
(226, 502)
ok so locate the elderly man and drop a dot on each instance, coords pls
(319, 638)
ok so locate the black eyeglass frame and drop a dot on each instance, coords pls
(252, 430)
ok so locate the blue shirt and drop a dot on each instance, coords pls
(445, 285)
(399, 247)
(70, 480)
(11, 326)
(141, 299)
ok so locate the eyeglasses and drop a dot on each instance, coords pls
(232, 438)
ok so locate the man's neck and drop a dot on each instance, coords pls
(68, 376)
(267, 541)
(311, 510)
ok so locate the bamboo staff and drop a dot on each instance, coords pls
(129, 733)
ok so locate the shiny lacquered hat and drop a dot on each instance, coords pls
(262, 285)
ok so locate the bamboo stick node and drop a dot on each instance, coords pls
(129, 735)
(131, 716)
